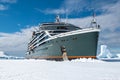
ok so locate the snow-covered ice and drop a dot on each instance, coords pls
(2, 54)
(78, 69)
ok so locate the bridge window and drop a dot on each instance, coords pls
(62, 27)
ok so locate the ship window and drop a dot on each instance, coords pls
(74, 38)
(34, 41)
(62, 40)
(34, 44)
(46, 48)
(62, 27)
(42, 43)
(46, 37)
(52, 34)
(33, 51)
(58, 27)
(59, 31)
(42, 39)
(41, 35)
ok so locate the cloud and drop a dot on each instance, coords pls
(57, 11)
(8, 1)
(109, 21)
(68, 6)
(74, 6)
(16, 43)
(4, 4)
(52, 11)
(78, 6)
(3, 7)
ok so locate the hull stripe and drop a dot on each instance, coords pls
(58, 57)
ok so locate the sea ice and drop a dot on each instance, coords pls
(78, 69)
(2, 54)
(105, 53)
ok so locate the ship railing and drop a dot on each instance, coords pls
(91, 28)
(34, 44)
(95, 27)
(47, 32)
(51, 33)
(41, 33)
(42, 37)
(35, 40)
(76, 32)
(42, 42)
(35, 37)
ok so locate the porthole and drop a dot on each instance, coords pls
(75, 38)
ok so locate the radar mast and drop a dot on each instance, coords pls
(57, 19)
(94, 22)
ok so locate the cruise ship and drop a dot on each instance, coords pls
(63, 41)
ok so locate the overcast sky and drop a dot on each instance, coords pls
(18, 18)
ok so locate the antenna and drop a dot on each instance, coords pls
(57, 19)
(66, 15)
(93, 22)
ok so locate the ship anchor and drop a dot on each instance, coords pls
(64, 53)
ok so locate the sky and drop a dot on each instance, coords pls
(18, 18)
